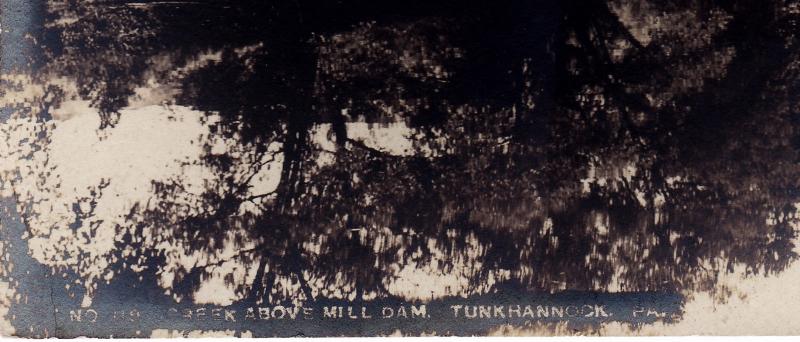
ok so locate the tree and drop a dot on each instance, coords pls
(558, 145)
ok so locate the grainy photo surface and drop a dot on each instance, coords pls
(261, 168)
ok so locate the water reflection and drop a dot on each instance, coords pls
(294, 155)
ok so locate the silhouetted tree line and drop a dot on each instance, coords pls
(580, 143)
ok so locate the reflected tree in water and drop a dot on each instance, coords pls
(582, 145)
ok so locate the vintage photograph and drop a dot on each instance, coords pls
(323, 168)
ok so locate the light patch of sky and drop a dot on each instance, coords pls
(641, 26)
(149, 144)
(215, 290)
(152, 143)
(759, 306)
(391, 138)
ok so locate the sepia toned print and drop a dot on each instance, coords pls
(372, 168)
